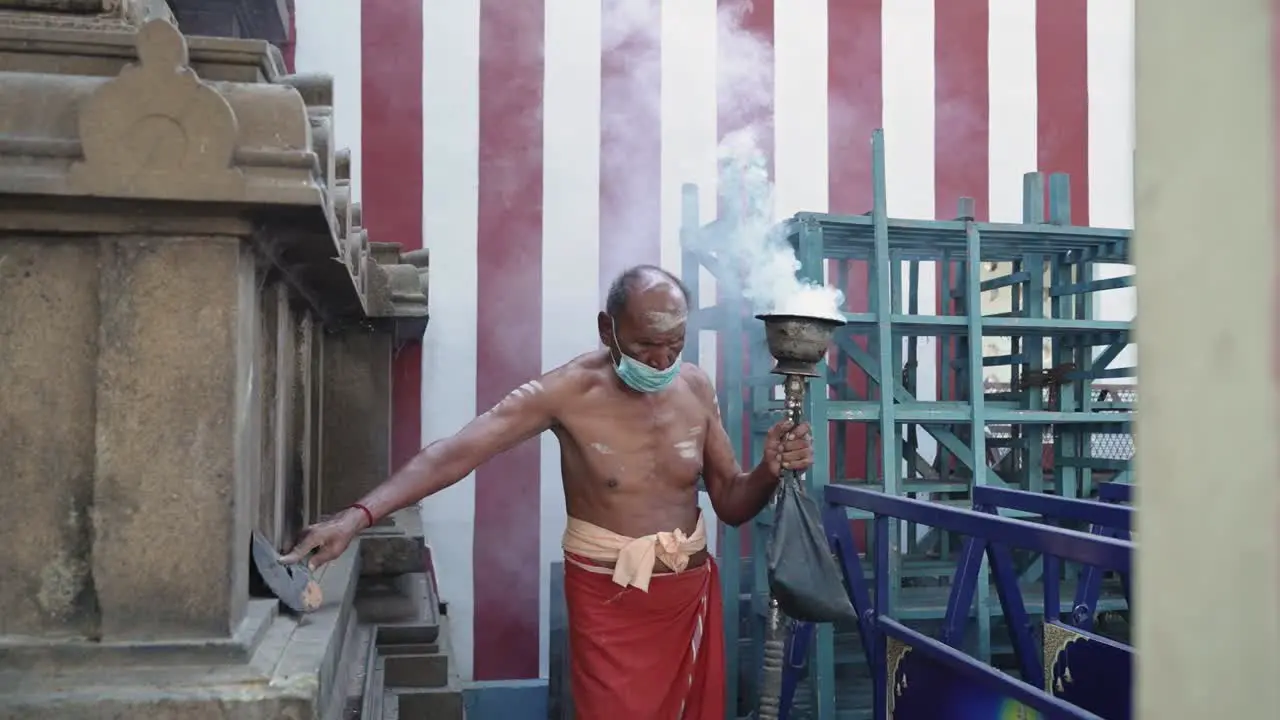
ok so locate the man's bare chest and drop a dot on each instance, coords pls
(641, 437)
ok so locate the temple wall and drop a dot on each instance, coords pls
(571, 241)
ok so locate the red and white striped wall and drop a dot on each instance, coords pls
(538, 147)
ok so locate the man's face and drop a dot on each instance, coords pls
(651, 329)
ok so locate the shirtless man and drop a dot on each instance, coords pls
(636, 429)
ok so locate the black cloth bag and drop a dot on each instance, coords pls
(803, 574)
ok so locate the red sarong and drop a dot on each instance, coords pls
(656, 655)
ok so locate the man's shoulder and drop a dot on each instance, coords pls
(577, 375)
(698, 380)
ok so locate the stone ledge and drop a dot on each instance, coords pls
(254, 148)
(297, 673)
(17, 654)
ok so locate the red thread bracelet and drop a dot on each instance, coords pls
(367, 514)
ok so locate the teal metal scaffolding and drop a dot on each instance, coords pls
(1040, 430)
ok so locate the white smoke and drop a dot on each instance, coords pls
(754, 252)
(760, 265)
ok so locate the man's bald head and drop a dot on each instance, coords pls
(641, 278)
(645, 316)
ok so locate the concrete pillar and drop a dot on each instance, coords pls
(1208, 609)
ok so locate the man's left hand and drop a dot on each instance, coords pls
(788, 447)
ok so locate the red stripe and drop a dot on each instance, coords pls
(509, 332)
(1062, 79)
(855, 109)
(630, 137)
(743, 28)
(391, 181)
(961, 129)
(289, 47)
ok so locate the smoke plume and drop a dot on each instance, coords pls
(761, 264)
(754, 249)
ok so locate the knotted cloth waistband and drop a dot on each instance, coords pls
(634, 558)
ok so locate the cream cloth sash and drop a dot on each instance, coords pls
(634, 558)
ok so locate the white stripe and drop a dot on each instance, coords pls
(450, 205)
(570, 247)
(1111, 67)
(801, 147)
(1011, 75)
(328, 42)
(908, 87)
(688, 127)
(800, 115)
(688, 116)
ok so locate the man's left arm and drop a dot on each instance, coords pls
(739, 496)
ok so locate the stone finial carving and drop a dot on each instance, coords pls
(156, 128)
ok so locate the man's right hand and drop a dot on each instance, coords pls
(328, 539)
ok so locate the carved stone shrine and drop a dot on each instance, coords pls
(196, 336)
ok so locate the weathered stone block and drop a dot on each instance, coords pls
(48, 359)
(391, 554)
(177, 384)
(356, 435)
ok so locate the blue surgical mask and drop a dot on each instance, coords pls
(639, 376)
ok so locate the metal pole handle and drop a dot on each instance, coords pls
(775, 638)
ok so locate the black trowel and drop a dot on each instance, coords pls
(292, 584)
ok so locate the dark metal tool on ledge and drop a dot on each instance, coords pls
(797, 343)
(292, 584)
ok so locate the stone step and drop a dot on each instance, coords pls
(431, 688)
(415, 671)
(411, 649)
(396, 599)
(430, 704)
(407, 633)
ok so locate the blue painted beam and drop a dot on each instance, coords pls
(1066, 544)
(1029, 695)
(1052, 506)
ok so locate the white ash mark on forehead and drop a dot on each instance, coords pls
(665, 321)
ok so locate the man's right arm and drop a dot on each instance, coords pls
(523, 414)
(526, 412)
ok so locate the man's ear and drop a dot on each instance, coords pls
(604, 325)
